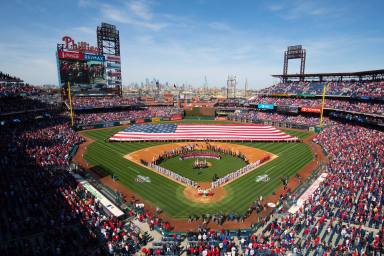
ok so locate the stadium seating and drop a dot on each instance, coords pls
(102, 102)
(45, 211)
(345, 105)
(258, 115)
(343, 215)
(92, 118)
(8, 78)
(342, 88)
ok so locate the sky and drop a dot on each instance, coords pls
(182, 41)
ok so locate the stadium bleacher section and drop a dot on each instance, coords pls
(150, 112)
(261, 116)
(345, 214)
(46, 211)
(102, 102)
(341, 88)
(8, 78)
(345, 105)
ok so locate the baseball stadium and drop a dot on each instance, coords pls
(95, 166)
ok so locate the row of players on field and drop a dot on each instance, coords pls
(195, 148)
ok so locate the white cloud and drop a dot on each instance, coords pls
(140, 9)
(297, 9)
(85, 30)
(125, 16)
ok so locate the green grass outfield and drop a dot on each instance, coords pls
(220, 167)
(168, 195)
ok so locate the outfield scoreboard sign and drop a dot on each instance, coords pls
(89, 72)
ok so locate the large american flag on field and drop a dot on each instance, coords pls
(218, 132)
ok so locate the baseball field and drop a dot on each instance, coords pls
(168, 195)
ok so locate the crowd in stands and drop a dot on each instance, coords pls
(93, 118)
(341, 88)
(102, 102)
(17, 104)
(345, 214)
(8, 78)
(212, 243)
(277, 117)
(346, 105)
(45, 211)
(20, 97)
(17, 89)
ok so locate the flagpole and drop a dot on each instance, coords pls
(70, 102)
(322, 106)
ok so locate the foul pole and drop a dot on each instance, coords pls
(322, 105)
(70, 102)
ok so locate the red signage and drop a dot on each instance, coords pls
(176, 117)
(113, 58)
(110, 73)
(71, 55)
(139, 121)
(310, 110)
(70, 44)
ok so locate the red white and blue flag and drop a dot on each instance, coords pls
(201, 132)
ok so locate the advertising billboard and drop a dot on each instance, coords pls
(88, 72)
(265, 106)
(310, 110)
(113, 70)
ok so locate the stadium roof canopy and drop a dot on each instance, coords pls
(360, 75)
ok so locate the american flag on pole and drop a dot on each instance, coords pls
(201, 132)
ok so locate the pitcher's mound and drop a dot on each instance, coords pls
(192, 194)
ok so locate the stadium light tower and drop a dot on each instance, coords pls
(231, 86)
(245, 88)
(108, 39)
(294, 52)
(205, 88)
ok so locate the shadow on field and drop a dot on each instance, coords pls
(99, 171)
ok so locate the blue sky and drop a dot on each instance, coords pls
(182, 41)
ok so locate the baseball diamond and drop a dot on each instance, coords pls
(168, 195)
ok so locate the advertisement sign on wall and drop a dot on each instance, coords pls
(265, 106)
(310, 110)
(70, 55)
(90, 57)
(139, 121)
(176, 118)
